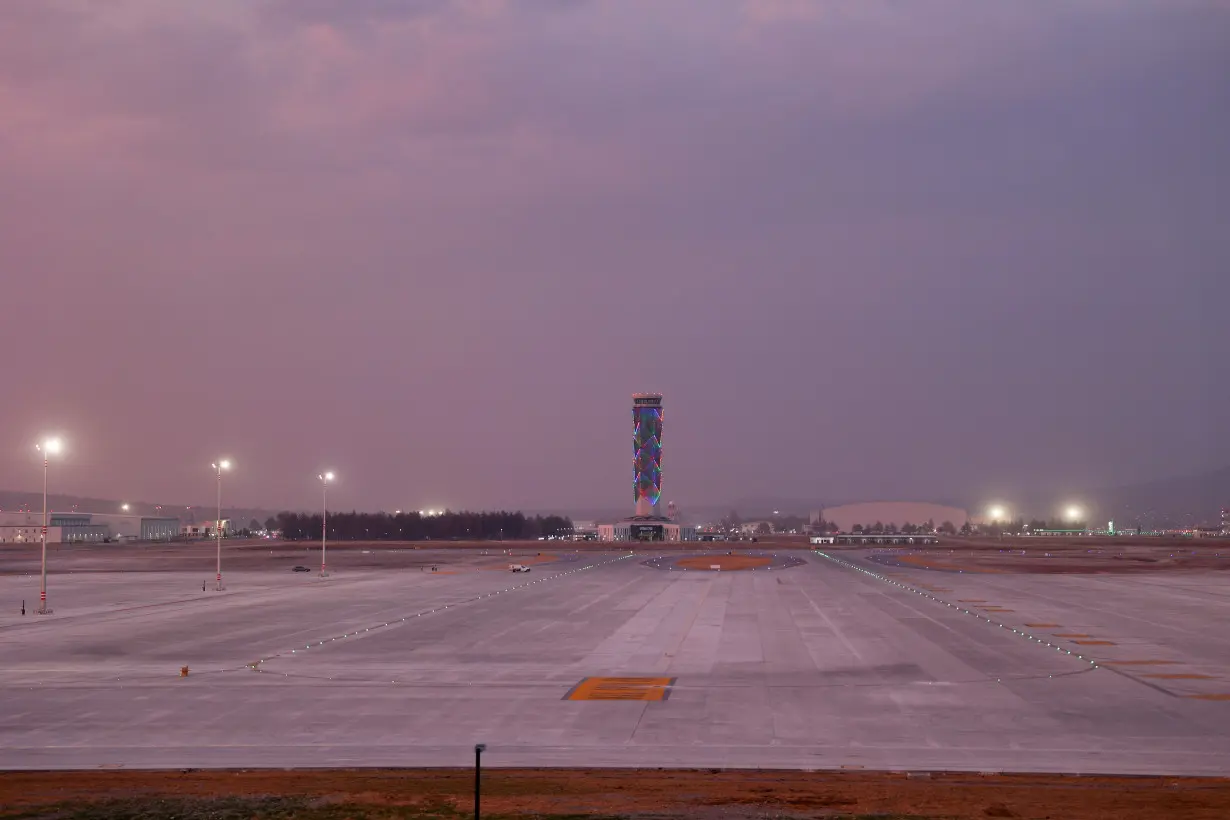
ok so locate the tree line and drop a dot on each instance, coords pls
(448, 526)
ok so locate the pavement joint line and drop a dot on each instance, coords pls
(255, 667)
(842, 562)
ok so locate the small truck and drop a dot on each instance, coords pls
(518, 568)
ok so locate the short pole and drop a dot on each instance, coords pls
(42, 589)
(478, 769)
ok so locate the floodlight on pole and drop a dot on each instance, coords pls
(997, 513)
(49, 447)
(325, 478)
(219, 466)
(124, 508)
(1074, 513)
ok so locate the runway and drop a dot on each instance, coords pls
(597, 659)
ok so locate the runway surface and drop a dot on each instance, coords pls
(600, 660)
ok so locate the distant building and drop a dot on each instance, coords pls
(125, 527)
(74, 527)
(62, 528)
(207, 529)
(896, 513)
(646, 523)
(28, 534)
(1225, 520)
(645, 528)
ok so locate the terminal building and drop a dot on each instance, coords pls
(647, 522)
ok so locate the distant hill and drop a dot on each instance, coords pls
(1182, 501)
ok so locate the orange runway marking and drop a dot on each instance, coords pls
(643, 689)
(971, 600)
(1179, 676)
(1137, 663)
(1095, 643)
(1071, 635)
(726, 562)
(1042, 626)
(1208, 697)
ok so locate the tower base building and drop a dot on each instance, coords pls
(646, 528)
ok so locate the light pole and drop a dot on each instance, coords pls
(219, 466)
(325, 478)
(479, 748)
(48, 448)
(998, 514)
(1074, 515)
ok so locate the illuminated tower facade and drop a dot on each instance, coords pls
(647, 452)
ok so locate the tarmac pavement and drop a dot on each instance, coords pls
(596, 659)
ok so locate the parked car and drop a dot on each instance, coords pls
(302, 569)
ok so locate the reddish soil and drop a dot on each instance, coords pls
(1073, 555)
(725, 562)
(689, 793)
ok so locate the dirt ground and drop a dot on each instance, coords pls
(726, 562)
(1094, 554)
(1069, 555)
(606, 793)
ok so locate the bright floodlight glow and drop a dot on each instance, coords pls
(224, 464)
(52, 446)
(326, 477)
(1074, 513)
(124, 507)
(997, 513)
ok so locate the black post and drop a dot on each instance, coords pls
(479, 748)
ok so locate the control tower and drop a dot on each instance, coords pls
(646, 452)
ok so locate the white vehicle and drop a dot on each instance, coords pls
(518, 568)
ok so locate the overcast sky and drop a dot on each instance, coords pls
(872, 249)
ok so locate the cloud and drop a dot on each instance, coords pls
(450, 187)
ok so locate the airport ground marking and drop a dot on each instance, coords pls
(622, 688)
(1028, 636)
(256, 665)
(1149, 662)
